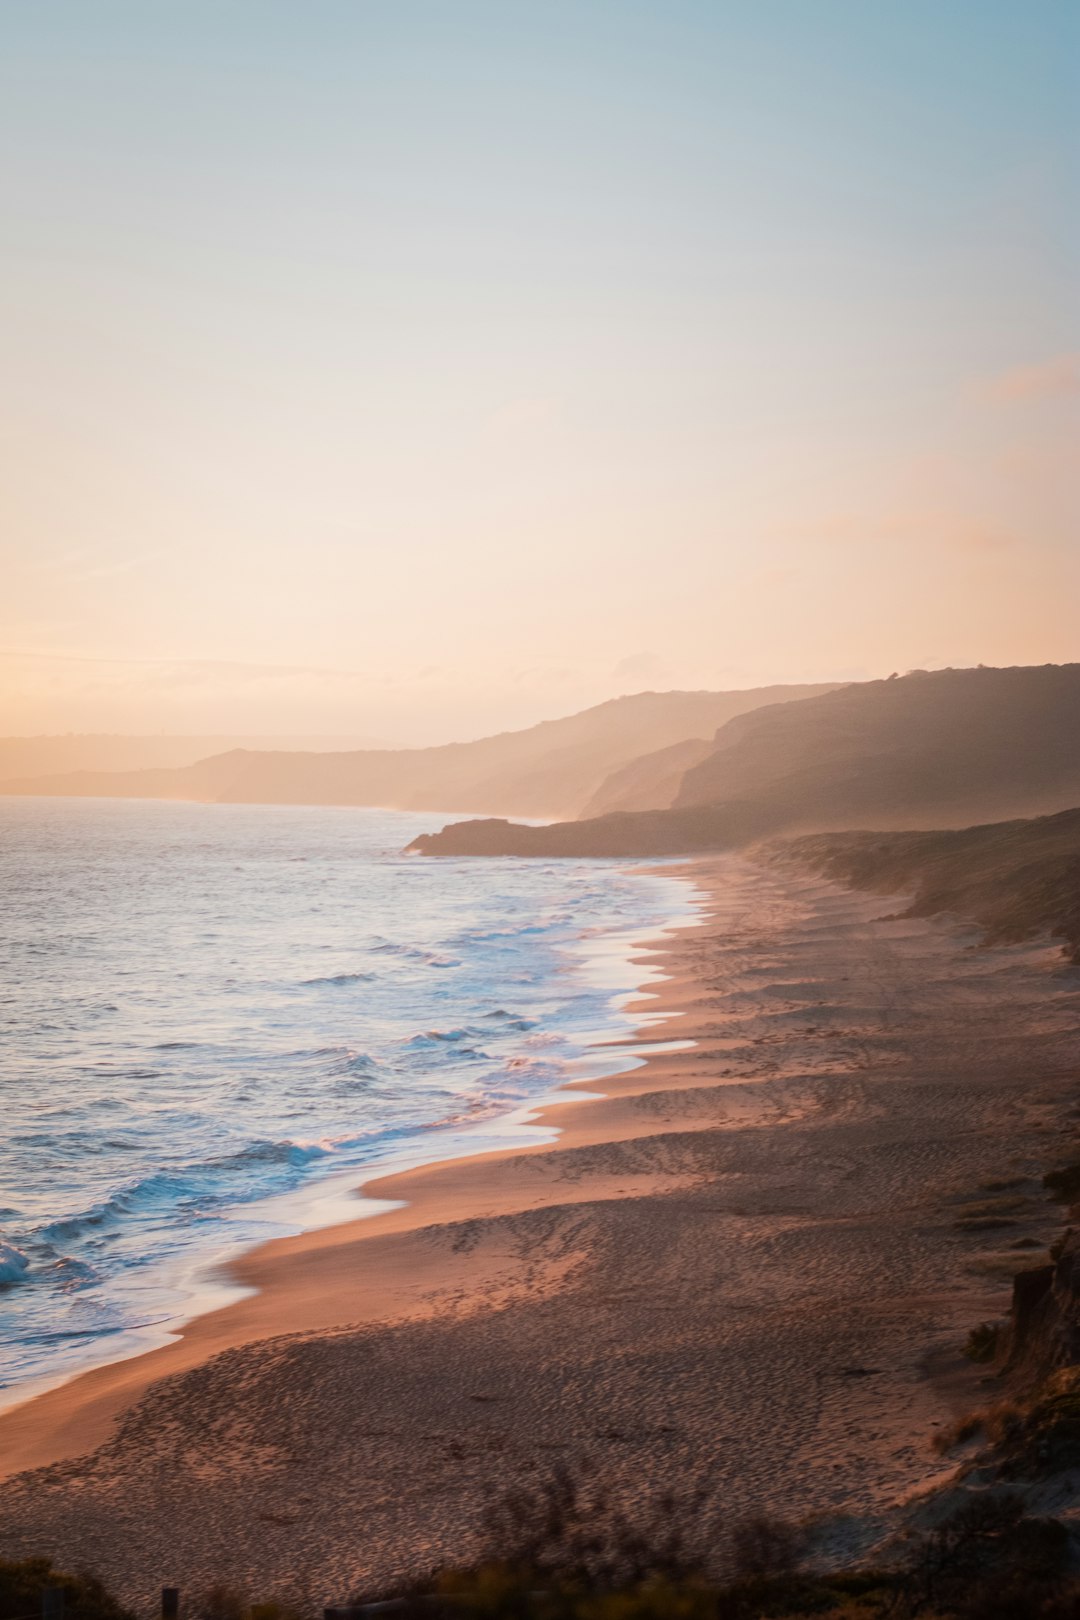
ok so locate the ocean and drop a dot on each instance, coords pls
(211, 1016)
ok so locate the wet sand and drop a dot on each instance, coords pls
(752, 1260)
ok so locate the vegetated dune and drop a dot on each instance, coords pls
(551, 769)
(929, 750)
(24, 757)
(1016, 879)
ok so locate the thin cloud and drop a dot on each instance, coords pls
(641, 666)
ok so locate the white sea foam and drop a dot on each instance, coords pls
(13, 1265)
(210, 1011)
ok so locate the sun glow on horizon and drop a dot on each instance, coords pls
(426, 371)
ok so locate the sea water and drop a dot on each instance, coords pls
(204, 1008)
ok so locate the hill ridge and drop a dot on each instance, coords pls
(548, 770)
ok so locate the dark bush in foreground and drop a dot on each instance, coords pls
(982, 1342)
(1064, 1184)
(224, 1602)
(572, 1527)
(23, 1584)
(565, 1550)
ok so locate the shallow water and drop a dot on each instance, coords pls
(203, 1007)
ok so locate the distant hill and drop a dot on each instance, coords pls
(23, 757)
(929, 750)
(956, 746)
(652, 782)
(551, 769)
(1016, 879)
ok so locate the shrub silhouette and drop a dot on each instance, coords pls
(570, 1527)
(22, 1584)
(982, 1342)
(764, 1547)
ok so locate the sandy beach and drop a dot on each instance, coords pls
(752, 1260)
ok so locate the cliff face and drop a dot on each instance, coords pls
(1043, 1333)
(927, 751)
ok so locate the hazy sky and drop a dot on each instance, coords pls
(426, 367)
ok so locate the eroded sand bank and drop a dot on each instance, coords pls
(746, 1260)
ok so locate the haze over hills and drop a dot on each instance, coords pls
(650, 782)
(929, 750)
(23, 757)
(551, 769)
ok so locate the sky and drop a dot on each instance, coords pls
(424, 368)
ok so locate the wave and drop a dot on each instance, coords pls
(342, 979)
(286, 1152)
(70, 1276)
(146, 1138)
(13, 1265)
(414, 953)
(165, 1189)
(139, 1198)
(444, 1039)
(107, 1071)
(334, 1059)
(524, 930)
(510, 1020)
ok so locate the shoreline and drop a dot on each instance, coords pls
(347, 1199)
(747, 1261)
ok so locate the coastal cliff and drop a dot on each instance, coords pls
(942, 750)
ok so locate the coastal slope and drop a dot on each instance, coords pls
(939, 750)
(1016, 879)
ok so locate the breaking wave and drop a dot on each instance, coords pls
(230, 1003)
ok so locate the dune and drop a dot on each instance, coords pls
(1016, 879)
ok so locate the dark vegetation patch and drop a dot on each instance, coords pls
(224, 1602)
(982, 1342)
(23, 1585)
(1015, 879)
(569, 1554)
(566, 1549)
(1064, 1184)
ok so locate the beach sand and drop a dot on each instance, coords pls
(747, 1261)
